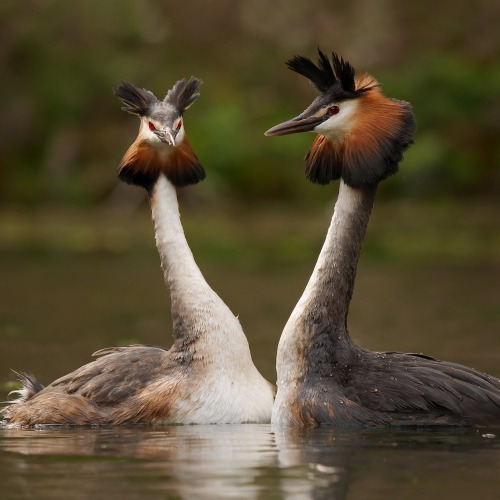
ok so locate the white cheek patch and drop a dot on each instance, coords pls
(146, 134)
(180, 135)
(338, 125)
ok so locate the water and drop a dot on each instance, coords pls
(248, 461)
(63, 296)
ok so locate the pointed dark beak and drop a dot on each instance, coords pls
(166, 136)
(295, 125)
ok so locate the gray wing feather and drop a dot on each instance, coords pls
(410, 383)
(118, 373)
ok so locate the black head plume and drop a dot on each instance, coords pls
(336, 74)
(183, 94)
(137, 101)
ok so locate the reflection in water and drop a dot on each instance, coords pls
(330, 463)
(190, 461)
(247, 461)
(315, 463)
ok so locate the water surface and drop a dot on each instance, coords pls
(70, 287)
(248, 461)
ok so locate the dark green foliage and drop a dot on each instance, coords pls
(63, 133)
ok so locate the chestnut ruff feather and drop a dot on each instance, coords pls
(382, 128)
(371, 150)
(142, 165)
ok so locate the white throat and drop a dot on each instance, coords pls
(184, 279)
(205, 328)
(347, 203)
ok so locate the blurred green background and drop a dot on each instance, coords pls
(78, 266)
(62, 131)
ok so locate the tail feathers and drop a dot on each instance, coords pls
(30, 387)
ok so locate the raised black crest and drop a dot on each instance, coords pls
(137, 101)
(183, 94)
(328, 74)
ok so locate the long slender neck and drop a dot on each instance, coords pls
(320, 316)
(194, 304)
(177, 260)
(332, 282)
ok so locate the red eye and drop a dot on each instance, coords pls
(333, 110)
(151, 126)
(179, 125)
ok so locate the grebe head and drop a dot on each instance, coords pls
(161, 146)
(361, 133)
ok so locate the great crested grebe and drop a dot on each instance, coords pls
(323, 377)
(207, 376)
